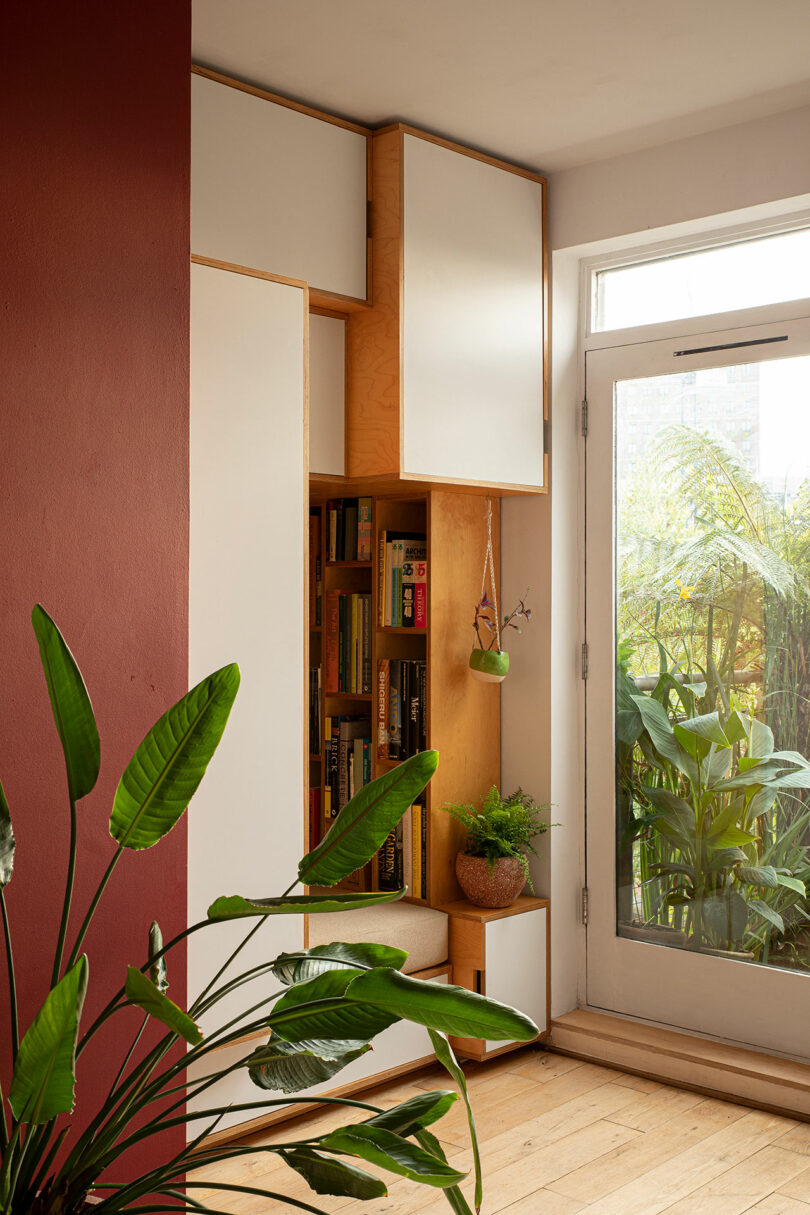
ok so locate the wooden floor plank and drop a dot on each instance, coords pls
(661, 1187)
(561, 1137)
(743, 1185)
(639, 1156)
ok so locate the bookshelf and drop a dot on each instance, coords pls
(460, 717)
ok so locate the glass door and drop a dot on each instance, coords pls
(698, 693)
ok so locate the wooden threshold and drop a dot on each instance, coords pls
(749, 1077)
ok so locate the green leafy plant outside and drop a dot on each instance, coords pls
(504, 826)
(332, 1001)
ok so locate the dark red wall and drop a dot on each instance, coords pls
(94, 276)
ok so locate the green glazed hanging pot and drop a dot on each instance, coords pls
(490, 666)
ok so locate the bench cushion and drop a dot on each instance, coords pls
(420, 930)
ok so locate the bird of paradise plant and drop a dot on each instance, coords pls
(331, 1002)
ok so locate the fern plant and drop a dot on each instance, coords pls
(504, 826)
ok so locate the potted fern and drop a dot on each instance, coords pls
(493, 868)
(330, 1002)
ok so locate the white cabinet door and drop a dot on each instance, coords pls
(517, 965)
(473, 319)
(327, 395)
(277, 190)
(246, 596)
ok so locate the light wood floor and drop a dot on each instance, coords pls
(561, 1137)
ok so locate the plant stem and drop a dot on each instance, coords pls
(94, 904)
(71, 873)
(12, 982)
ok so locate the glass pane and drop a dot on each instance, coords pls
(748, 274)
(712, 483)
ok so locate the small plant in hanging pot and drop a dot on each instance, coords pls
(489, 662)
(492, 869)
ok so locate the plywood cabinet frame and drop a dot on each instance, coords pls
(375, 437)
(326, 299)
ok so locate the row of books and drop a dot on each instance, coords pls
(346, 761)
(315, 821)
(402, 580)
(315, 572)
(314, 710)
(402, 860)
(348, 529)
(401, 707)
(347, 642)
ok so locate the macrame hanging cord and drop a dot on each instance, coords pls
(489, 564)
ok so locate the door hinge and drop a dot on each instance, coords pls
(584, 660)
(584, 420)
(585, 905)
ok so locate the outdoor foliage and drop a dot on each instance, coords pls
(331, 1002)
(714, 629)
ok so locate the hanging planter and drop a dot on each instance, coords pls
(489, 662)
(490, 666)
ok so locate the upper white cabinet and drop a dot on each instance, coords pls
(247, 504)
(472, 368)
(278, 188)
(327, 395)
(448, 369)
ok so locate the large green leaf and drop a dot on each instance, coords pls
(677, 811)
(417, 1112)
(760, 744)
(392, 1152)
(706, 726)
(767, 912)
(44, 1078)
(235, 907)
(309, 963)
(325, 1175)
(458, 1203)
(163, 774)
(792, 883)
(758, 875)
(454, 1010)
(362, 826)
(320, 1009)
(716, 765)
(444, 1053)
(289, 1067)
(70, 705)
(657, 725)
(142, 991)
(7, 844)
(732, 836)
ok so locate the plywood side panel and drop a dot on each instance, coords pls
(374, 336)
(276, 189)
(464, 714)
(247, 502)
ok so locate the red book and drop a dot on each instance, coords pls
(331, 641)
(420, 594)
(382, 708)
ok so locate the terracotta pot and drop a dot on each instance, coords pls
(497, 887)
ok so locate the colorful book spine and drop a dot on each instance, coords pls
(395, 709)
(416, 849)
(364, 529)
(383, 727)
(331, 641)
(382, 579)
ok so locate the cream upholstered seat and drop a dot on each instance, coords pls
(420, 930)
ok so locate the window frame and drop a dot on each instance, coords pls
(691, 243)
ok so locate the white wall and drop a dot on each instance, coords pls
(747, 173)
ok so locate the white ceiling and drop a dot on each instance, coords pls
(548, 83)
